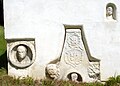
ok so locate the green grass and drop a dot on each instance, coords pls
(2, 41)
(113, 81)
(6, 80)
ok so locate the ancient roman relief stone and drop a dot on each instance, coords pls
(111, 12)
(21, 53)
(75, 77)
(76, 56)
(52, 71)
(94, 71)
(73, 49)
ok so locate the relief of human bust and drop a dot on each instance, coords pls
(22, 56)
(111, 12)
(53, 71)
(75, 77)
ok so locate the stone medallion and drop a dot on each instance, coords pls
(21, 54)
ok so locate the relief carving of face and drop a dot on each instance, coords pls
(74, 77)
(21, 52)
(53, 71)
(109, 11)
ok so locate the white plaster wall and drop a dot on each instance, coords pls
(44, 19)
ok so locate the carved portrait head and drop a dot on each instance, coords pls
(21, 53)
(111, 11)
(52, 71)
(74, 76)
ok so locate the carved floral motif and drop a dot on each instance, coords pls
(73, 51)
(94, 71)
(52, 71)
(73, 57)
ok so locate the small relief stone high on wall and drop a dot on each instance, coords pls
(111, 12)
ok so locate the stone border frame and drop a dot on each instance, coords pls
(16, 43)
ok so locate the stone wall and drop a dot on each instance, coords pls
(44, 20)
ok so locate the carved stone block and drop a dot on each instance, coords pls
(21, 55)
(52, 71)
(76, 58)
(73, 48)
(74, 76)
(94, 71)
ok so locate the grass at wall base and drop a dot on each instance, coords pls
(6, 80)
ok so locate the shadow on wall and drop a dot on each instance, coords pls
(3, 60)
(1, 13)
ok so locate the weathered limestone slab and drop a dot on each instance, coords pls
(21, 55)
(76, 57)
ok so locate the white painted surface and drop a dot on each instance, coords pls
(44, 19)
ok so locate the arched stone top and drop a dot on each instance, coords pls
(74, 76)
(67, 75)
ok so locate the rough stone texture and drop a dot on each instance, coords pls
(21, 55)
(52, 71)
(44, 19)
(76, 57)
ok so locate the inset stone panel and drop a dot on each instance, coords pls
(73, 47)
(76, 60)
(94, 70)
(21, 53)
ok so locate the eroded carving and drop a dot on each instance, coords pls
(52, 71)
(75, 77)
(21, 54)
(73, 50)
(73, 57)
(73, 40)
(111, 12)
(94, 71)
